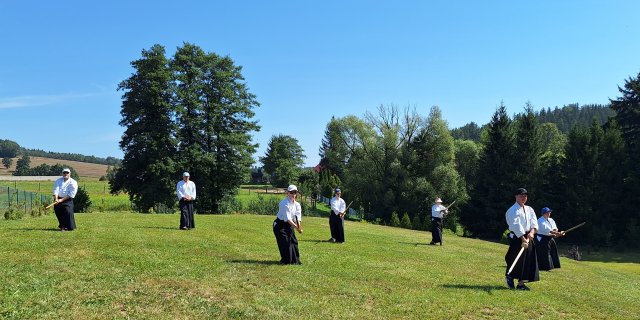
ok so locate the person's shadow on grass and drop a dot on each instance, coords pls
(485, 288)
(35, 229)
(253, 261)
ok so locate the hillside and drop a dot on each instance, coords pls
(84, 169)
(122, 265)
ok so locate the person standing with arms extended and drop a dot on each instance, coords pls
(437, 213)
(289, 217)
(545, 241)
(336, 218)
(186, 192)
(64, 190)
(523, 226)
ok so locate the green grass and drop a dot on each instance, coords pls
(126, 265)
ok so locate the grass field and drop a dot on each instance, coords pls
(126, 265)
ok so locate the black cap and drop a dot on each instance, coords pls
(521, 191)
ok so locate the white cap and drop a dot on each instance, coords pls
(185, 174)
(66, 170)
(438, 200)
(292, 188)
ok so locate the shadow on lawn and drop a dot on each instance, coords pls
(485, 288)
(160, 228)
(36, 229)
(252, 261)
(417, 243)
(312, 240)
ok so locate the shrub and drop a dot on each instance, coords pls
(405, 222)
(395, 221)
(230, 205)
(81, 202)
(416, 224)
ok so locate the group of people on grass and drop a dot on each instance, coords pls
(533, 236)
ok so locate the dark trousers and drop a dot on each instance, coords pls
(436, 230)
(547, 253)
(526, 268)
(64, 213)
(336, 224)
(186, 214)
(287, 242)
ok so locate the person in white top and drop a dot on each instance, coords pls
(186, 192)
(64, 190)
(289, 217)
(437, 213)
(523, 226)
(545, 241)
(336, 218)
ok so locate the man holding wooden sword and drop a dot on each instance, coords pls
(522, 263)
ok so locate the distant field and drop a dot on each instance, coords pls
(84, 169)
(126, 265)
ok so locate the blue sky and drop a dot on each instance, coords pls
(61, 61)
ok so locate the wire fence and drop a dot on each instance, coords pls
(18, 202)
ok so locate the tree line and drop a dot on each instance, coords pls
(11, 149)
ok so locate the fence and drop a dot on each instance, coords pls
(12, 199)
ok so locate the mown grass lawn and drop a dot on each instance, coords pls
(127, 265)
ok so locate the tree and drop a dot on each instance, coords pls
(9, 149)
(148, 142)
(22, 166)
(7, 162)
(334, 153)
(283, 159)
(215, 111)
(483, 215)
(527, 154)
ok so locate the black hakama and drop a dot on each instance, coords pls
(436, 230)
(547, 253)
(64, 213)
(526, 268)
(336, 224)
(186, 215)
(287, 242)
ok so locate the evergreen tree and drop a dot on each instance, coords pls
(527, 155)
(333, 150)
(483, 216)
(148, 142)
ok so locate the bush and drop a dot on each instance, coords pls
(15, 212)
(81, 202)
(416, 224)
(230, 205)
(263, 206)
(405, 222)
(395, 221)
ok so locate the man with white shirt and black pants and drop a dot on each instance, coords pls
(64, 190)
(545, 241)
(336, 218)
(289, 217)
(186, 192)
(523, 226)
(437, 213)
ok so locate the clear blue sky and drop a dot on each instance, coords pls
(61, 61)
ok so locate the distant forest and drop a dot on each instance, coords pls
(564, 118)
(111, 161)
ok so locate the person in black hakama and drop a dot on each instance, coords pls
(186, 192)
(64, 190)
(545, 241)
(437, 213)
(336, 218)
(289, 217)
(523, 226)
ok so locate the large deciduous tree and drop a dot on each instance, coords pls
(148, 142)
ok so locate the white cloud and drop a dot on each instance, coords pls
(33, 101)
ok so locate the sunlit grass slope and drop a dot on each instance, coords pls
(126, 265)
